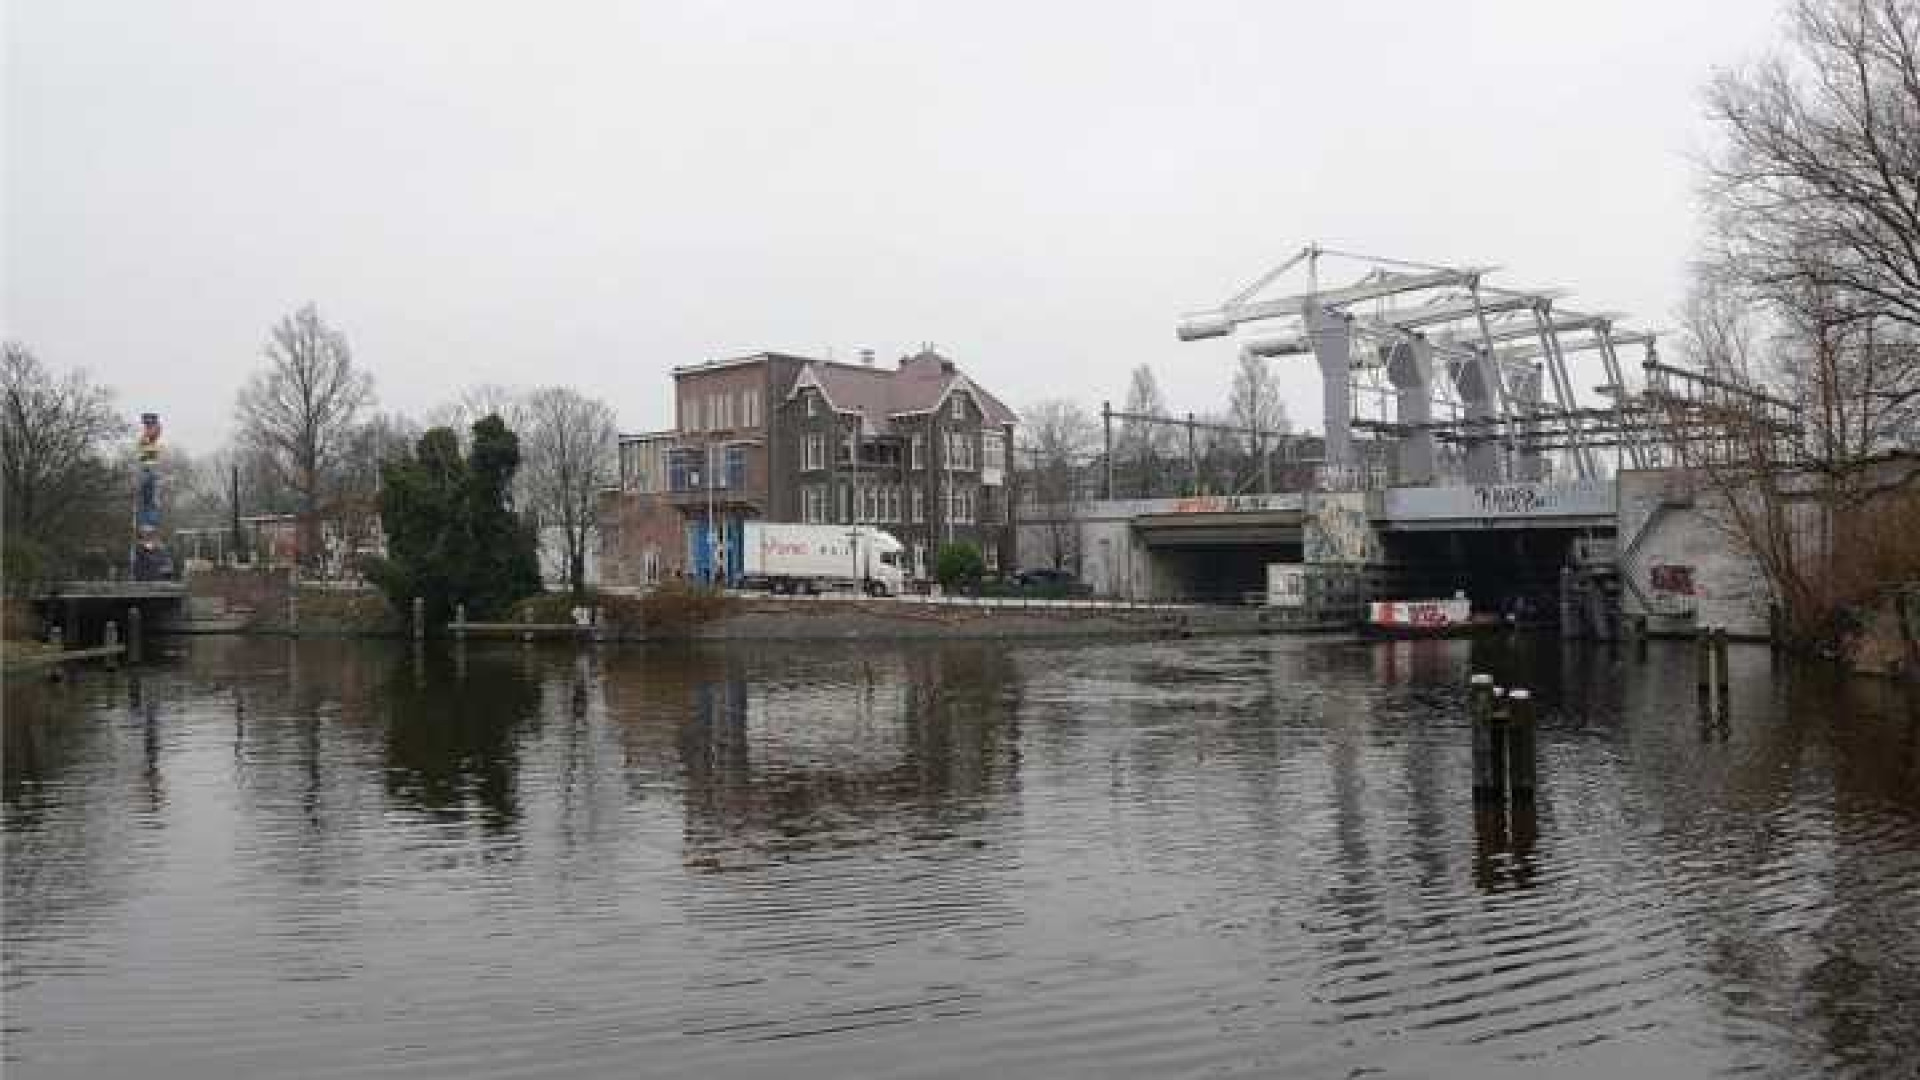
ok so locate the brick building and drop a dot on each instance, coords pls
(917, 449)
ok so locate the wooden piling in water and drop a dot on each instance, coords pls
(1703, 668)
(111, 640)
(136, 644)
(1521, 766)
(1480, 713)
(460, 621)
(1497, 743)
(526, 619)
(1722, 678)
(419, 619)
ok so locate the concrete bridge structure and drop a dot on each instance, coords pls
(1488, 539)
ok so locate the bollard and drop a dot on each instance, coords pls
(460, 621)
(526, 620)
(112, 640)
(419, 619)
(136, 647)
(1486, 786)
(1722, 679)
(1703, 668)
(1520, 744)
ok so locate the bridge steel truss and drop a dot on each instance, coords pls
(1431, 356)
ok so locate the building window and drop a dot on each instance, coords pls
(816, 452)
(919, 505)
(650, 564)
(813, 403)
(917, 452)
(690, 413)
(992, 553)
(993, 450)
(813, 503)
(735, 475)
(847, 445)
(846, 502)
(919, 552)
(749, 409)
(684, 471)
(960, 507)
(960, 450)
(959, 408)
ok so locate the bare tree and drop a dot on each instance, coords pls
(476, 401)
(1256, 407)
(300, 412)
(1804, 322)
(1145, 445)
(1060, 438)
(570, 442)
(1817, 184)
(61, 490)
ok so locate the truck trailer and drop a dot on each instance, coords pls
(790, 558)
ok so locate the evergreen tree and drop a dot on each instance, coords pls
(452, 534)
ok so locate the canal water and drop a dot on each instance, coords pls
(1253, 857)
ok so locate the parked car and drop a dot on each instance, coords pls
(1048, 580)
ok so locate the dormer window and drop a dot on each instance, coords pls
(813, 403)
(959, 408)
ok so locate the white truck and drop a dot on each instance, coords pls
(787, 558)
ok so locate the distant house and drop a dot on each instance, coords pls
(918, 449)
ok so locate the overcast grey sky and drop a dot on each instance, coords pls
(593, 192)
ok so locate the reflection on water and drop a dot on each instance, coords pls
(1251, 857)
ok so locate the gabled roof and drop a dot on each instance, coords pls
(920, 385)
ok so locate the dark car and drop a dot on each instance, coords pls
(1056, 582)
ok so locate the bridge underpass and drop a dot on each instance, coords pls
(1500, 570)
(1221, 556)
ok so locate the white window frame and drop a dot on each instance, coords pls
(846, 502)
(917, 451)
(813, 402)
(812, 451)
(919, 505)
(958, 408)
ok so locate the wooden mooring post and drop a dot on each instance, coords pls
(1486, 785)
(1722, 676)
(136, 643)
(112, 640)
(1505, 743)
(419, 619)
(526, 619)
(1520, 744)
(1703, 668)
(460, 621)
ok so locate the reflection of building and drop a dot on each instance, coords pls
(917, 449)
(865, 743)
